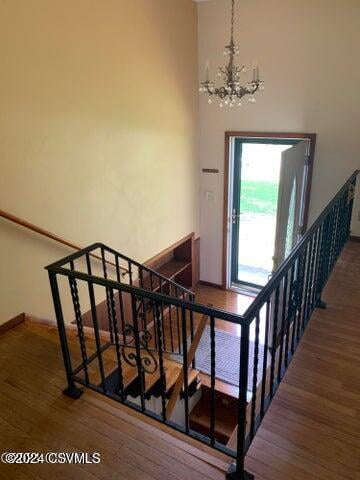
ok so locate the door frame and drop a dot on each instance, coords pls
(229, 135)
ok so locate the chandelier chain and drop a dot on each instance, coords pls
(232, 20)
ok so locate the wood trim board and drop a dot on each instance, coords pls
(12, 323)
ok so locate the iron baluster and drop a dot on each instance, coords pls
(300, 298)
(212, 380)
(308, 299)
(342, 223)
(351, 196)
(334, 240)
(328, 255)
(317, 268)
(130, 272)
(290, 311)
(237, 471)
(78, 319)
(283, 326)
(327, 251)
(331, 253)
(308, 283)
(96, 333)
(107, 295)
(159, 320)
(320, 271)
(178, 323)
(313, 273)
(162, 314)
(152, 289)
(273, 343)
(95, 324)
(337, 231)
(117, 343)
(72, 390)
(333, 236)
(265, 359)
(170, 323)
(121, 302)
(141, 374)
(117, 266)
(122, 316)
(255, 375)
(185, 369)
(192, 299)
(331, 239)
(142, 300)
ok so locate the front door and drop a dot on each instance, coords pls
(266, 205)
(290, 201)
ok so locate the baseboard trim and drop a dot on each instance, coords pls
(210, 284)
(41, 321)
(355, 238)
(14, 322)
(69, 327)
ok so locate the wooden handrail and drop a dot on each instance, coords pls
(190, 357)
(52, 236)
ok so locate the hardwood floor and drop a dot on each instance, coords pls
(223, 299)
(311, 431)
(35, 416)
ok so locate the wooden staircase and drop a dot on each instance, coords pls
(151, 381)
(172, 371)
(226, 405)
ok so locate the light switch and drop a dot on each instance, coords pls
(209, 196)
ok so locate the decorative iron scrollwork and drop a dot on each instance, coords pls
(144, 306)
(147, 360)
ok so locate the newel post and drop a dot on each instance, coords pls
(237, 470)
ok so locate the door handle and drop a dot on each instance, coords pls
(235, 216)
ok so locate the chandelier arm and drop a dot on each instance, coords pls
(253, 89)
(221, 92)
(244, 92)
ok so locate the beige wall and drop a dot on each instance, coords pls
(308, 53)
(98, 132)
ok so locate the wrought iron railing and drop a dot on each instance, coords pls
(141, 351)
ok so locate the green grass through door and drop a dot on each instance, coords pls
(259, 197)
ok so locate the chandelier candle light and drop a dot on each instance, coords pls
(231, 92)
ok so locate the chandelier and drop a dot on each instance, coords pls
(232, 92)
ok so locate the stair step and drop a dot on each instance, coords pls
(130, 374)
(226, 408)
(232, 442)
(172, 370)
